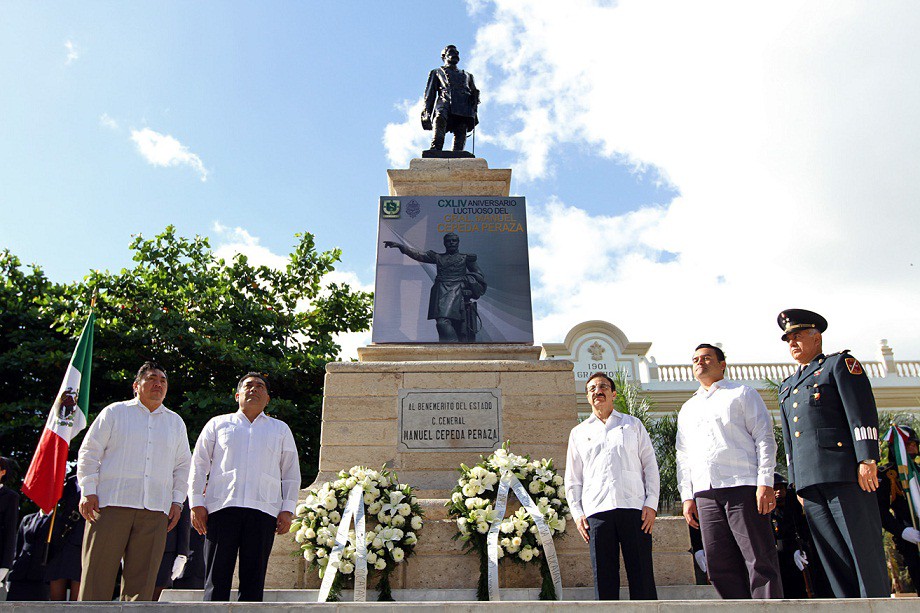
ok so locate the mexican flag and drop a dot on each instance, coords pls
(907, 470)
(44, 482)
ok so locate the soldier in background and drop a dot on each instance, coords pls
(896, 513)
(27, 572)
(801, 579)
(65, 567)
(9, 518)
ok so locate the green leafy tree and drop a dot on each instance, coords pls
(32, 357)
(208, 321)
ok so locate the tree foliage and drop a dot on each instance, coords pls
(206, 320)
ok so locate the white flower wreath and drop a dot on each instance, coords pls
(393, 519)
(472, 505)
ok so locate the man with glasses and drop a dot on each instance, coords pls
(830, 427)
(612, 485)
(726, 454)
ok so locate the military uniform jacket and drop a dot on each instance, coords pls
(451, 91)
(830, 422)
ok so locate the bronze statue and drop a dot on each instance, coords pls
(456, 287)
(451, 99)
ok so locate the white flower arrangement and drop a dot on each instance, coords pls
(392, 517)
(472, 505)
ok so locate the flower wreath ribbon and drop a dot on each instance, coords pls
(509, 481)
(354, 509)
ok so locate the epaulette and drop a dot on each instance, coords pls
(841, 352)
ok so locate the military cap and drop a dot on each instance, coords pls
(792, 320)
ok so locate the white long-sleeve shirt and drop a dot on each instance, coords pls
(610, 466)
(724, 439)
(134, 457)
(241, 464)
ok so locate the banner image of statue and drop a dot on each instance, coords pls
(452, 270)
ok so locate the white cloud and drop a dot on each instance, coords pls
(73, 53)
(233, 241)
(108, 122)
(164, 150)
(406, 140)
(789, 130)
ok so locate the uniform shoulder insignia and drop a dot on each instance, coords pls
(836, 353)
(854, 366)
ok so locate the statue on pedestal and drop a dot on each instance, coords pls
(452, 303)
(451, 100)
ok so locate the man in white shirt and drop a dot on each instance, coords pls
(243, 490)
(612, 485)
(132, 469)
(726, 454)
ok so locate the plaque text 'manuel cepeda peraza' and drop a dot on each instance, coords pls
(449, 420)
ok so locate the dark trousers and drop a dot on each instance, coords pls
(232, 532)
(739, 544)
(847, 532)
(610, 531)
(911, 557)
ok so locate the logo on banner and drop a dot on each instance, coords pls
(391, 209)
(413, 209)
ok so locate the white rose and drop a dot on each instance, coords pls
(535, 487)
(410, 539)
(516, 541)
(377, 543)
(404, 509)
(380, 564)
(309, 555)
(371, 557)
(300, 536)
(482, 527)
(301, 509)
(369, 498)
(398, 555)
(374, 508)
(557, 480)
(310, 534)
(470, 491)
(416, 523)
(330, 542)
(320, 553)
(501, 553)
(398, 520)
(549, 490)
(330, 502)
(526, 554)
(456, 497)
(335, 517)
(350, 483)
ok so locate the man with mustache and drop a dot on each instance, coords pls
(725, 460)
(612, 485)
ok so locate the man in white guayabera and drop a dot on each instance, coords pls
(612, 485)
(726, 454)
(243, 490)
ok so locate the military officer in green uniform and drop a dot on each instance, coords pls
(896, 511)
(830, 427)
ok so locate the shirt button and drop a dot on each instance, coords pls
(798, 434)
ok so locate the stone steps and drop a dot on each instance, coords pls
(669, 592)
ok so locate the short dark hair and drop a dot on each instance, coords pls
(147, 367)
(720, 355)
(257, 375)
(601, 375)
(10, 466)
(444, 51)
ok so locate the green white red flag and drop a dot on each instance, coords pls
(44, 482)
(908, 473)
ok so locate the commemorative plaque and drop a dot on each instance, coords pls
(450, 420)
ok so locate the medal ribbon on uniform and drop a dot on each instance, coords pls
(354, 509)
(509, 481)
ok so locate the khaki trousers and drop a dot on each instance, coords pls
(136, 535)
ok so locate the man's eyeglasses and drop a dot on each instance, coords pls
(600, 386)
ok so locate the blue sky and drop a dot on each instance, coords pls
(640, 132)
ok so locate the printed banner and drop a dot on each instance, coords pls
(452, 269)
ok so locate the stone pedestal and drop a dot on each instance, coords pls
(454, 177)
